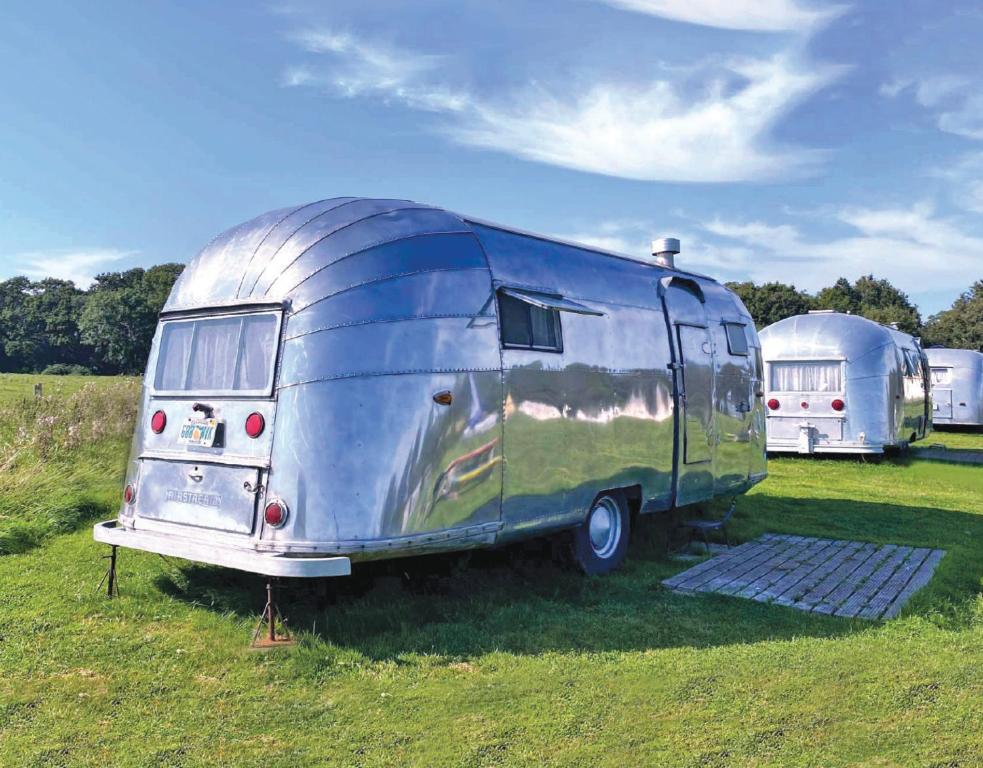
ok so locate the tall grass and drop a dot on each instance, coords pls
(62, 458)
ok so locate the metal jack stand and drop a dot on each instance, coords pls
(271, 612)
(109, 579)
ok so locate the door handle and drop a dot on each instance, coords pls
(196, 475)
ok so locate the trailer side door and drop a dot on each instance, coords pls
(686, 317)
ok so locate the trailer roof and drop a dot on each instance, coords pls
(828, 335)
(957, 358)
(266, 258)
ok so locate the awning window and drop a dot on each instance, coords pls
(549, 301)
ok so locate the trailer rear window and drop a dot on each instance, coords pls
(232, 354)
(806, 377)
(941, 375)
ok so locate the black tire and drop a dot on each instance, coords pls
(603, 553)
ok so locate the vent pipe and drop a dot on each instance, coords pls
(664, 251)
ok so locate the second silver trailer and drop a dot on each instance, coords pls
(839, 383)
(957, 386)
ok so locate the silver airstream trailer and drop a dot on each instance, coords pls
(957, 386)
(838, 383)
(358, 378)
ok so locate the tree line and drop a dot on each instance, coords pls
(52, 326)
(960, 326)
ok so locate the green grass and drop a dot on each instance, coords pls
(62, 455)
(15, 386)
(963, 438)
(515, 660)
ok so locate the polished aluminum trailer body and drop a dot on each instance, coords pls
(838, 383)
(957, 386)
(406, 412)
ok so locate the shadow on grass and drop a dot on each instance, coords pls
(523, 599)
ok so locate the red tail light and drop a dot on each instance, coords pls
(158, 421)
(129, 494)
(255, 424)
(275, 514)
(805, 404)
(773, 404)
(838, 405)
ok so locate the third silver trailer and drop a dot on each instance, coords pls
(957, 386)
(838, 383)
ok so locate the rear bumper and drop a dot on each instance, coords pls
(774, 447)
(251, 561)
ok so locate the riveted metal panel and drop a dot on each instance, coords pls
(446, 293)
(213, 276)
(411, 346)
(352, 213)
(268, 253)
(392, 261)
(360, 236)
(375, 458)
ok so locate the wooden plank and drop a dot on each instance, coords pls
(792, 565)
(791, 595)
(715, 579)
(710, 562)
(833, 579)
(697, 576)
(887, 594)
(769, 565)
(733, 567)
(922, 576)
(857, 582)
(791, 579)
(859, 599)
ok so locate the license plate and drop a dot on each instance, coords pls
(199, 432)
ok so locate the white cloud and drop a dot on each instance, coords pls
(661, 130)
(363, 69)
(754, 15)
(965, 181)
(955, 99)
(913, 247)
(79, 266)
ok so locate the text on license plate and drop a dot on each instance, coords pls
(198, 432)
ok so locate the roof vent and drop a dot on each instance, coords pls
(664, 251)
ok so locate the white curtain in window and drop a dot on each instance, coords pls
(806, 377)
(256, 352)
(175, 348)
(941, 375)
(213, 359)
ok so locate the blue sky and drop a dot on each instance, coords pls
(779, 139)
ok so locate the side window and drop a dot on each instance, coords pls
(909, 363)
(736, 339)
(526, 326)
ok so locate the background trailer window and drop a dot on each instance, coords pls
(806, 377)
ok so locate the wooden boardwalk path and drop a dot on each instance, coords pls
(841, 578)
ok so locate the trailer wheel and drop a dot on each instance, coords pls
(601, 543)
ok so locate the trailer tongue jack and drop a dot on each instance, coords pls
(109, 579)
(271, 614)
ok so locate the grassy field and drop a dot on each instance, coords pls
(514, 661)
(971, 439)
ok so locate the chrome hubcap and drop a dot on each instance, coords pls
(604, 527)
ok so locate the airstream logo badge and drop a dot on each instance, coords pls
(196, 499)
